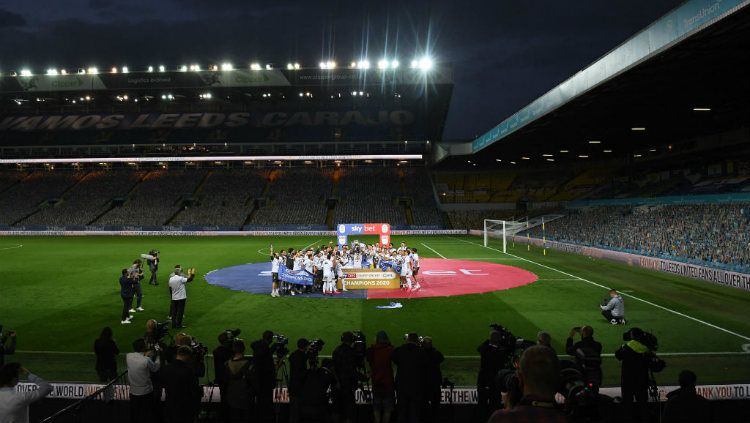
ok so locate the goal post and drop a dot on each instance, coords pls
(501, 229)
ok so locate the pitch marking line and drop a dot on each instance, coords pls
(627, 295)
(434, 251)
(12, 247)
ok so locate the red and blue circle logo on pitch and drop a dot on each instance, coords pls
(438, 278)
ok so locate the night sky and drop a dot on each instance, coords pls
(505, 53)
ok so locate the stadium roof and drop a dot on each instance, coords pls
(683, 76)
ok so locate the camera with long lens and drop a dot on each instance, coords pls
(231, 335)
(199, 349)
(507, 339)
(583, 402)
(280, 345)
(315, 347)
(160, 330)
(651, 342)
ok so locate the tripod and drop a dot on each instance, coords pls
(282, 379)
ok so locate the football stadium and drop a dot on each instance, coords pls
(300, 242)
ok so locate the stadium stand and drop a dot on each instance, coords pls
(155, 199)
(224, 199)
(706, 234)
(26, 196)
(424, 209)
(370, 195)
(296, 197)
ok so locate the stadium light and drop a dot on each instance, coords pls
(125, 69)
(195, 68)
(382, 64)
(25, 72)
(595, 142)
(179, 159)
(183, 68)
(394, 64)
(268, 66)
(638, 128)
(425, 64)
(606, 151)
(701, 109)
(414, 64)
(92, 70)
(296, 65)
(547, 155)
(52, 71)
(63, 72)
(498, 160)
(150, 69)
(550, 160)
(289, 66)
(363, 64)
(353, 65)
(253, 66)
(113, 70)
(583, 156)
(161, 68)
(564, 151)
(226, 66)
(525, 158)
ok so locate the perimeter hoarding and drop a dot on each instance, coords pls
(343, 230)
(371, 279)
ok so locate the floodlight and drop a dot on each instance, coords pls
(226, 66)
(52, 71)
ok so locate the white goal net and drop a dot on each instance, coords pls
(502, 229)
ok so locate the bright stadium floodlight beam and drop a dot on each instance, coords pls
(382, 64)
(52, 71)
(113, 70)
(183, 68)
(125, 69)
(269, 67)
(226, 66)
(394, 64)
(289, 66)
(363, 64)
(92, 70)
(425, 63)
(161, 68)
(25, 72)
(150, 69)
(296, 65)
(63, 72)
(253, 66)
(414, 64)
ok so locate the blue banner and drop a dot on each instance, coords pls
(387, 264)
(297, 277)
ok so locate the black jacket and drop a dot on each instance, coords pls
(588, 356)
(434, 374)
(183, 393)
(297, 372)
(491, 360)
(686, 406)
(635, 358)
(411, 369)
(221, 354)
(106, 354)
(316, 386)
(345, 366)
(264, 364)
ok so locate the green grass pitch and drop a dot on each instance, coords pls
(58, 292)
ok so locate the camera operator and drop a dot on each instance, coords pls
(492, 358)
(222, 354)
(135, 272)
(140, 366)
(587, 353)
(179, 295)
(266, 369)
(411, 365)
(433, 391)
(379, 357)
(241, 383)
(614, 310)
(153, 266)
(684, 405)
(14, 404)
(198, 355)
(345, 368)
(637, 359)
(183, 392)
(539, 376)
(315, 400)
(298, 361)
(7, 344)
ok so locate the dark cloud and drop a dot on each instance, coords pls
(10, 19)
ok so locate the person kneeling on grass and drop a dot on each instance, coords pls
(614, 310)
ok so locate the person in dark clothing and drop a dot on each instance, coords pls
(298, 368)
(587, 353)
(222, 354)
(153, 267)
(241, 384)
(183, 393)
(7, 344)
(127, 292)
(684, 405)
(345, 368)
(380, 358)
(315, 399)
(433, 381)
(411, 371)
(106, 356)
(492, 358)
(266, 369)
(635, 358)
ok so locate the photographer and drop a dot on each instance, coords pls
(637, 359)
(183, 392)
(14, 404)
(7, 344)
(127, 292)
(135, 273)
(379, 357)
(539, 377)
(266, 369)
(198, 350)
(587, 353)
(153, 266)
(106, 356)
(614, 310)
(241, 383)
(433, 392)
(179, 295)
(298, 369)
(345, 369)
(222, 354)
(492, 358)
(140, 366)
(411, 364)
(314, 399)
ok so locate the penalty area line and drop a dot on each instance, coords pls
(625, 294)
(434, 250)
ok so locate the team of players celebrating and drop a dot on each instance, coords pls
(328, 266)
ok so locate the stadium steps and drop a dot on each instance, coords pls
(199, 188)
(111, 205)
(181, 201)
(251, 215)
(42, 206)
